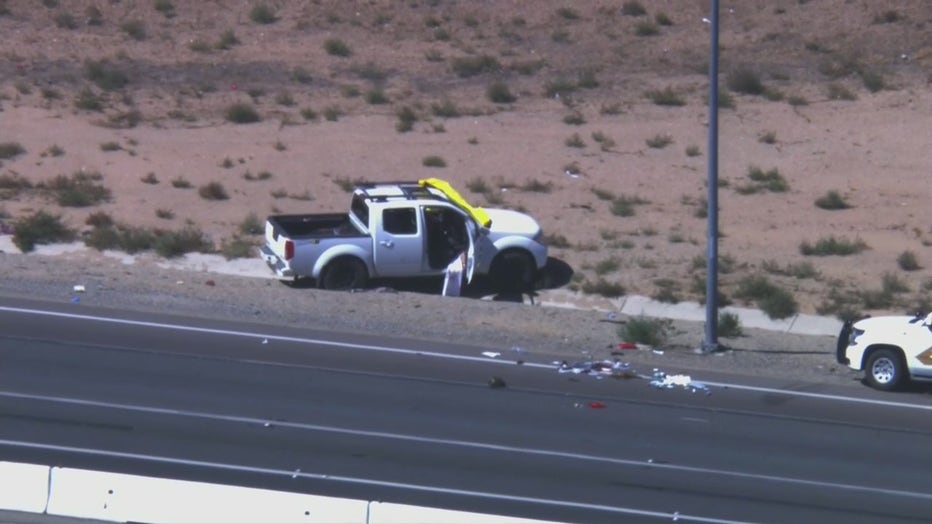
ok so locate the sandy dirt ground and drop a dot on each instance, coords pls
(167, 124)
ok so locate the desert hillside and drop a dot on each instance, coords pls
(174, 125)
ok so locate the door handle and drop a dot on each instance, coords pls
(386, 243)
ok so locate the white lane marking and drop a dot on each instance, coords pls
(264, 336)
(364, 482)
(435, 354)
(469, 444)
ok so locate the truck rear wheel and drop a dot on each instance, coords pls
(885, 369)
(513, 271)
(344, 274)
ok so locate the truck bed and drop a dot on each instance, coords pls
(314, 225)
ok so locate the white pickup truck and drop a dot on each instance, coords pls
(405, 229)
(890, 349)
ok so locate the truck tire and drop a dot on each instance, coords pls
(885, 369)
(344, 274)
(513, 271)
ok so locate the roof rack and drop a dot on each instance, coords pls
(406, 189)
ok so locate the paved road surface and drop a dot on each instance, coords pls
(401, 421)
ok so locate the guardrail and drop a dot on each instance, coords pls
(117, 497)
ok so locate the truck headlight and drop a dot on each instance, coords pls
(853, 336)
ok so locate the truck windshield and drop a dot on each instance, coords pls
(360, 208)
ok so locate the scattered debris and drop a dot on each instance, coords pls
(598, 369)
(496, 382)
(661, 380)
(491, 354)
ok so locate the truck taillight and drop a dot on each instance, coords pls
(289, 250)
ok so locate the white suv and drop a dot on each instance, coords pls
(891, 349)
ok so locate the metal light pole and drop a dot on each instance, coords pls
(710, 343)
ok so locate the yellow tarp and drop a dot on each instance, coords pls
(477, 213)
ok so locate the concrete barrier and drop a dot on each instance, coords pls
(116, 497)
(122, 498)
(25, 487)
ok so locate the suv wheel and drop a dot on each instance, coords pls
(885, 369)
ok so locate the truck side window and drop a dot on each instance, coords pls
(400, 221)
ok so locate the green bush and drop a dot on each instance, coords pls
(624, 206)
(337, 47)
(666, 97)
(603, 288)
(227, 40)
(500, 93)
(65, 20)
(744, 80)
(770, 180)
(832, 201)
(135, 29)
(434, 161)
(729, 325)
(659, 141)
(645, 330)
(332, 113)
(574, 119)
(873, 81)
(574, 140)
(251, 225)
(445, 109)
(40, 228)
(633, 8)
(406, 119)
(104, 75)
(376, 97)
(467, 66)
(261, 13)
(568, 13)
(213, 191)
(646, 28)
(536, 186)
(170, 244)
(773, 300)
(908, 262)
(166, 7)
(831, 245)
(840, 92)
(11, 150)
(242, 113)
(78, 190)
(238, 247)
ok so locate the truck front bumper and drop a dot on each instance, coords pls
(276, 264)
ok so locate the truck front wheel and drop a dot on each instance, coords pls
(513, 271)
(344, 274)
(885, 369)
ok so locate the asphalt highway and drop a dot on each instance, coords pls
(384, 418)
